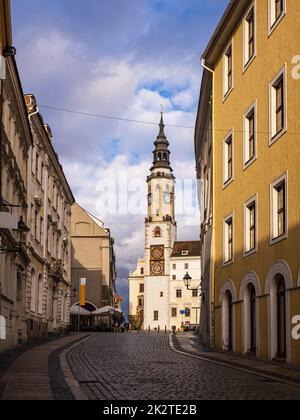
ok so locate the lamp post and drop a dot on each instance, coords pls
(187, 279)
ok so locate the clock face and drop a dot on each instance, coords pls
(157, 253)
(157, 268)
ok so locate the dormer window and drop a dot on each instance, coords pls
(184, 253)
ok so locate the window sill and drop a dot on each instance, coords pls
(225, 96)
(228, 263)
(277, 136)
(275, 241)
(249, 163)
(248, 64)
(276, 23)
(250, 253)
(227, 183)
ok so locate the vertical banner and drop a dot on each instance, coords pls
(82, 292)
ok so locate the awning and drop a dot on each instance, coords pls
(105, 310)
(75, 310)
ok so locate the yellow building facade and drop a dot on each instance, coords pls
(253, 57)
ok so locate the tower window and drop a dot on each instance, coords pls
(157, 232)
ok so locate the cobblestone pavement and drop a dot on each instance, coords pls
(142, 367)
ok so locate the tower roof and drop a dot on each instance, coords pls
(161, 153)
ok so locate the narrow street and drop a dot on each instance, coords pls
(131, 367)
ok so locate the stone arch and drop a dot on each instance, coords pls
(278, 269)
(250, 313)
(157, 232)
(228, 285)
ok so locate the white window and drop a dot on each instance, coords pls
(277, 10)
(250, 226)
(184, 253)
(279, 214)
(228, 71)
(250, 140)
(228, 239)
(228, 159)
(249, 36)
(278, 107)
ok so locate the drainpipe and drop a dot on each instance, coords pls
(212, 282)
(29, 170)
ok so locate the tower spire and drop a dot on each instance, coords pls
(161, 153)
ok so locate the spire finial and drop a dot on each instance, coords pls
(161, 124)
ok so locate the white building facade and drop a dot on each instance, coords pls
(150, 292)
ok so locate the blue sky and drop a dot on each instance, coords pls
(122, 58)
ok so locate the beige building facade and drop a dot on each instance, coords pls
(15, 142)
(49, 200)
(93, 258)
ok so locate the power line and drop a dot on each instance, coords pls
(109, 117)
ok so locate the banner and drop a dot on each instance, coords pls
(82, 292)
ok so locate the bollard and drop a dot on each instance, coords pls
(158, 330)
(149, 329)
(165, 330)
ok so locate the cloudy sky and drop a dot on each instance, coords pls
(119, 58)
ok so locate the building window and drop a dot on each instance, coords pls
(250, 135)
(195, 293)
(187, 312)
(277, 10)
(161, 294)
(228, 239)
(228, 71)
(157, 232)
(155, 316)
(142, 288)
(228, 159)
(186, 266)
(174, 277)
(179, 293)
(140, 303)
(278, 106)
(174, 266)
(250, 226)
(142, 271)
(279, 209)
(174, 312)
(249, 36)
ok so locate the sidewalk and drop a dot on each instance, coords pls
(189, 343)
(29, 376)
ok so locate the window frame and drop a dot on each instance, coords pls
(228, 181)
(246, 135)
(276, 135)
(247, 59)
(274, 239)
(155, 318)
(273, 23)
(226, 89)
(227, 261)
(174, 310)
(178, 290)
(247, 250)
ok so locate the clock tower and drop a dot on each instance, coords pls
(160, 235)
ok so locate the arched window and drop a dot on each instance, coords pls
(33, 291)
(40, 295)
(157, 232)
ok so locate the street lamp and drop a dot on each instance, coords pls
(22, 229)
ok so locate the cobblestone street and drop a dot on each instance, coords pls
(142, 367)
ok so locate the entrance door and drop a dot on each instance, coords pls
(252, 295)
(281, 318)
(230, 318)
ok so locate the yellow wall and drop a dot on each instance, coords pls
(272, 53)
